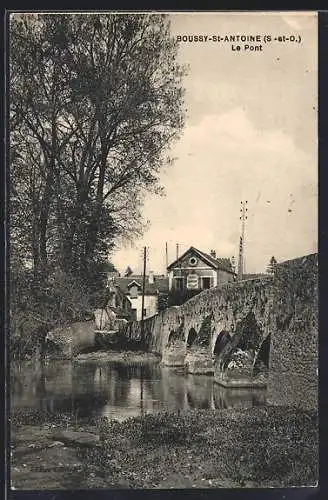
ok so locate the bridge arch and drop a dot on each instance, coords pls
(262, 359)
(170, 337)
(192, 335)
(222, 340)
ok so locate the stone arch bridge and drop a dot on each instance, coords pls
(224, 326)
(250, 333)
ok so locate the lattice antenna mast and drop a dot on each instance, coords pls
(243, 218)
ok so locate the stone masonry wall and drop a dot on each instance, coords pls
(293, 367)
(71, 339)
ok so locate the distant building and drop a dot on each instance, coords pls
(115, 301)
(196, 270)
(131, 286)
(120, 303)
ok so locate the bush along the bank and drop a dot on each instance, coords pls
(264, 447)
(285, 447)
(34, 416)
(39, 305)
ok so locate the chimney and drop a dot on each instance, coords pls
(213, 254)
(151, 277)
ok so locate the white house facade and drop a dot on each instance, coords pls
(196, 270)
(133, 288)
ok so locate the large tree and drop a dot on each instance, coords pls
(95, 103)
(272, 265)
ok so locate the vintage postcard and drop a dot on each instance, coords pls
(163, 250)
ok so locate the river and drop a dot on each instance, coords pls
(119, 390)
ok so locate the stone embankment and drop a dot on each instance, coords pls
(69, 340)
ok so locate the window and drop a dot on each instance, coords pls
(193, 261)
(179, 283)
(192, 281)
(144, 313)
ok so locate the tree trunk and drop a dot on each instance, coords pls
(95, 220)
(44, 217)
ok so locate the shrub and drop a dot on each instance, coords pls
(39, 306)
(267, 446)
(284, 448)
(167, 428)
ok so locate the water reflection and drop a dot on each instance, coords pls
(120, 390)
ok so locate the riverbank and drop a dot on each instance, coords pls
(120, 356)
(256, 447)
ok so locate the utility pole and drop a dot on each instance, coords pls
(243, 218)
(143, 295)
(177, 251)
(141, 390)
(166, 258)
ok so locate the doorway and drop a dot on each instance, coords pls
(206, 283)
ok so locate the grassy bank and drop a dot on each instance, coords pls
(113, 355)
(258, 447)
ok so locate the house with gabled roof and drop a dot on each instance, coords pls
(132, 287)
(197, 270)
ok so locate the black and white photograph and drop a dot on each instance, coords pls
(163, 250)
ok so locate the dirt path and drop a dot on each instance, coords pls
(40, 461)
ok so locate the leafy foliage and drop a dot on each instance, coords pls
(96, 101)
(162, 301)
(38, 306)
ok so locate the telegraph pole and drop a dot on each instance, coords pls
(177, 251)
(143, 295)
(166, 258)
(243, 218)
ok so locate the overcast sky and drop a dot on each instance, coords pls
(251, 134)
